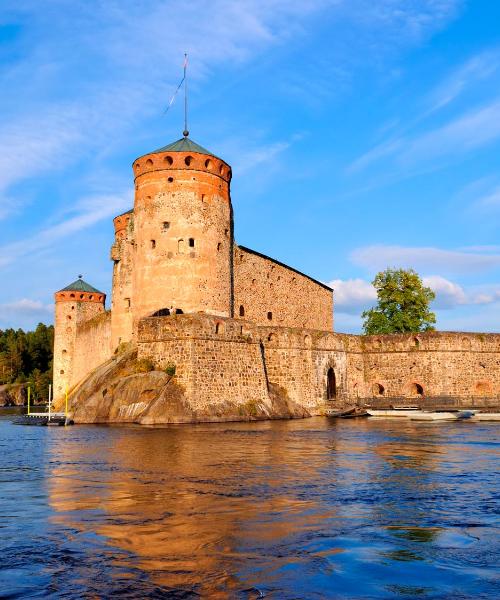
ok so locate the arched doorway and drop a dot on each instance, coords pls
(331, 385)
(163, 312)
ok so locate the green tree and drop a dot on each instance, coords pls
(403, 304)
(27, 356)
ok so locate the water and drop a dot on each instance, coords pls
(315, 508)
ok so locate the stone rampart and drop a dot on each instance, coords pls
(218, 359)
(92, 346)
(430, 368)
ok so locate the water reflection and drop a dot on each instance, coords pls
(300, 509)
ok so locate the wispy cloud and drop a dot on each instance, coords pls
(426, 259)
(25, 312)
(475, 70)
(85, 213)
(490, 200)
(468, 132)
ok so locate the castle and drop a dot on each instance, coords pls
(237, 326)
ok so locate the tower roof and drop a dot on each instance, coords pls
(80, 286)
(184, 145)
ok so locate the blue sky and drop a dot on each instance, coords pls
(362, 134)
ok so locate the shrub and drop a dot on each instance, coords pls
(170, 369)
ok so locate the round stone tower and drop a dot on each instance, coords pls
(76, 303)
(183, 232)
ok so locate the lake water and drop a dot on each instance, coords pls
(314, 508)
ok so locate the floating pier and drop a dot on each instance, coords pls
(44, 418)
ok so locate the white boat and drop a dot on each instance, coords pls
(443, 416)
(486, 417)
(403, 411)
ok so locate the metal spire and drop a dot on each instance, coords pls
(185, 133)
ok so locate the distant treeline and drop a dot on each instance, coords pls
(26, 356)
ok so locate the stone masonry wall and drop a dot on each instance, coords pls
(220, 359)
(440, 366)
(267, 292)
(217, 360)
(92, 346)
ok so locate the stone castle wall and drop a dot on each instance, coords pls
(122, 255)
(217, 360)
(267, 292)
(92, 346)
(228, 358)
(436, 365)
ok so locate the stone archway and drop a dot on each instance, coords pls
(331, 384)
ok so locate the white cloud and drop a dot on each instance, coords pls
(25, 313)
(353, 295)
(25, 306)
(379, 257)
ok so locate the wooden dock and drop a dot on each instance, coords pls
(43, 419)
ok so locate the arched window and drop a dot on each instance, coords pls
(219, 328)
(242, 311)
(331, 385)
(270, 316)
(188, 160)
(180, 246)
(191, 242)
(169, 160)
(378, 389)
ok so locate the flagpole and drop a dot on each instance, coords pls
(186, 132)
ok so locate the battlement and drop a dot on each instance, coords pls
(79, 296)
(121, 223)
(182, 161)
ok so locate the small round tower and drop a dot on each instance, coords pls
(74, 304)
(183, 232)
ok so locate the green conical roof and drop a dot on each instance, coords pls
(184, 145)
(80, 286)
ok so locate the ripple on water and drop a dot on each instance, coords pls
(315, 508)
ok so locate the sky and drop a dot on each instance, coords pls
(363, 134)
